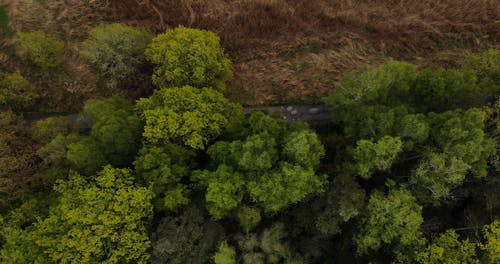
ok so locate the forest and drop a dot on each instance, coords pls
(132, 144)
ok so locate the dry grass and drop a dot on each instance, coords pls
(289, 49)
(297, 49)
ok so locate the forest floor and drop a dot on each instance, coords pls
(283, 51)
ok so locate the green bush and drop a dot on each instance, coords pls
(118, 51)
(186, 56)
(44, 50)
(49, 128)
(16, 92)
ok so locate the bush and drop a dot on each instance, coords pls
(43, 50)
(16, 92)
(186, 56)
(118, 51)
(49, 128)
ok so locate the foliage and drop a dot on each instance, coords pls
(369, 156)
(188, 116)
(344, 201)
(16, 92)
(225, 254)
(101, 220)
(248, 217)
(492, 245)
(45, 51)
(163, 168)
(448, 249)
(47, 129)
(188, 238)
(395, 217)
(116, 128)
(261, 165)
(186, 56)
(118, 51)
(268, 247)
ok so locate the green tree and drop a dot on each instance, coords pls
(187, 238)
(188, 116)
(448, 249)
(47, 129)
(163, 168)
(248, 217)
(286, 185)
(45, 51)
(101, 220)
(264, 165)
(225, 254)
(224, 190)
(441, 89)
(492, 245)
(439, 173)
(86, 155)
(55, 152)
(387, 84)
(303, 148)
(369, 156)
(16, 92)
(392, 218)
(118, 51)
(186, 56)
(344, 201)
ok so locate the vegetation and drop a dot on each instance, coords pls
(118, 51)
(44, 51)
(405, 170)
(186, 56)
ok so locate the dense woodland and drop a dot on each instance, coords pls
(407, 170)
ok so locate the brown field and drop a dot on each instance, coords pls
(283, 50)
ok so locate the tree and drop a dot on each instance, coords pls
(344, 201)
(264, 165)
(392, 218)
(47, 129)
(163, 168)
(16, 92)
(304, 148)
(286, 185)
(118, 51)
(268, 247)
(186, 56)
(55, 152)
(448, 249)
(86, 155)
(441, 89)
(461, 134)
(101, 220)
(225, 189)
(439, 173)
(492, 245)
(45, 51)
(248, 217)
(369, 156)
(387, 84)
(188, 116)
(187, 238)
(225, 254)
(116, 128)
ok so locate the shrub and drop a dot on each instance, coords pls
(186, 56)
(49, 128)
(43, 50)
(16, 92)
(118, 51)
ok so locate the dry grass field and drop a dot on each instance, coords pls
(283, 50)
